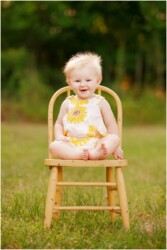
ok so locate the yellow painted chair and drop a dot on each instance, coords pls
(54, 195)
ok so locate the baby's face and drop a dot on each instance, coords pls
(83, 81)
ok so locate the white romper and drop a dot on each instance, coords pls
(83, 123)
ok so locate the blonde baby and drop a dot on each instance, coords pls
(86, 127)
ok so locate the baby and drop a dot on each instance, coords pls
(86, 128)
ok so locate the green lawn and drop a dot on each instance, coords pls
(24, 187)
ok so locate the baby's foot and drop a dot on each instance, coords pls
(99, 153)
(85, 154)
(105, 150)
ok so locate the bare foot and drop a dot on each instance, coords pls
(85, 154)
(98, 153)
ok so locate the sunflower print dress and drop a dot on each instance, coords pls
(83, 123)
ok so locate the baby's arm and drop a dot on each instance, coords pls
(108, 117)
(58, 128)
(111, 125)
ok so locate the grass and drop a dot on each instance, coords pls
(24, 186)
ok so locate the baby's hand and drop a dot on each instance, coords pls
(118, 154)
(62, 138)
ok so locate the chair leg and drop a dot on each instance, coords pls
(58, 196)
(122, 197)
(110, 193)
(50, 200)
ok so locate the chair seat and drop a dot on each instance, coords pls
(83, 163)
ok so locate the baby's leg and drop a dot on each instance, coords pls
(105, 146)
(66, 151)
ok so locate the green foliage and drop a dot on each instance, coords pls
(24, 187)
(39, 36)
(15, 62)
(25, 95)
(144, 109)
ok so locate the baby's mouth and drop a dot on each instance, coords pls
(83, 90)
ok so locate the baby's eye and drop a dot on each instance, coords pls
(88, 80)
(77, 80)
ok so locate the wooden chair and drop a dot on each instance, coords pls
(54, 195)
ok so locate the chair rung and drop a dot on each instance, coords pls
(101, 184)
(113, 208)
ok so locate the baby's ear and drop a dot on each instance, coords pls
(99, 80)
(68, 81)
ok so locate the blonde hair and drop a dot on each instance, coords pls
(81, 59)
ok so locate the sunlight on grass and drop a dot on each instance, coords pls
(24, 186)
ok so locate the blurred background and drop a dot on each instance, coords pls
(38, 37)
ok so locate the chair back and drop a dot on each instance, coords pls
(67, 89)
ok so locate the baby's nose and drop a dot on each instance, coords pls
(83, 83)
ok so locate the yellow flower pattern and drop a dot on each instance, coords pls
(79, 141)
(77, 102)
(93, 132)
(77, 114)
